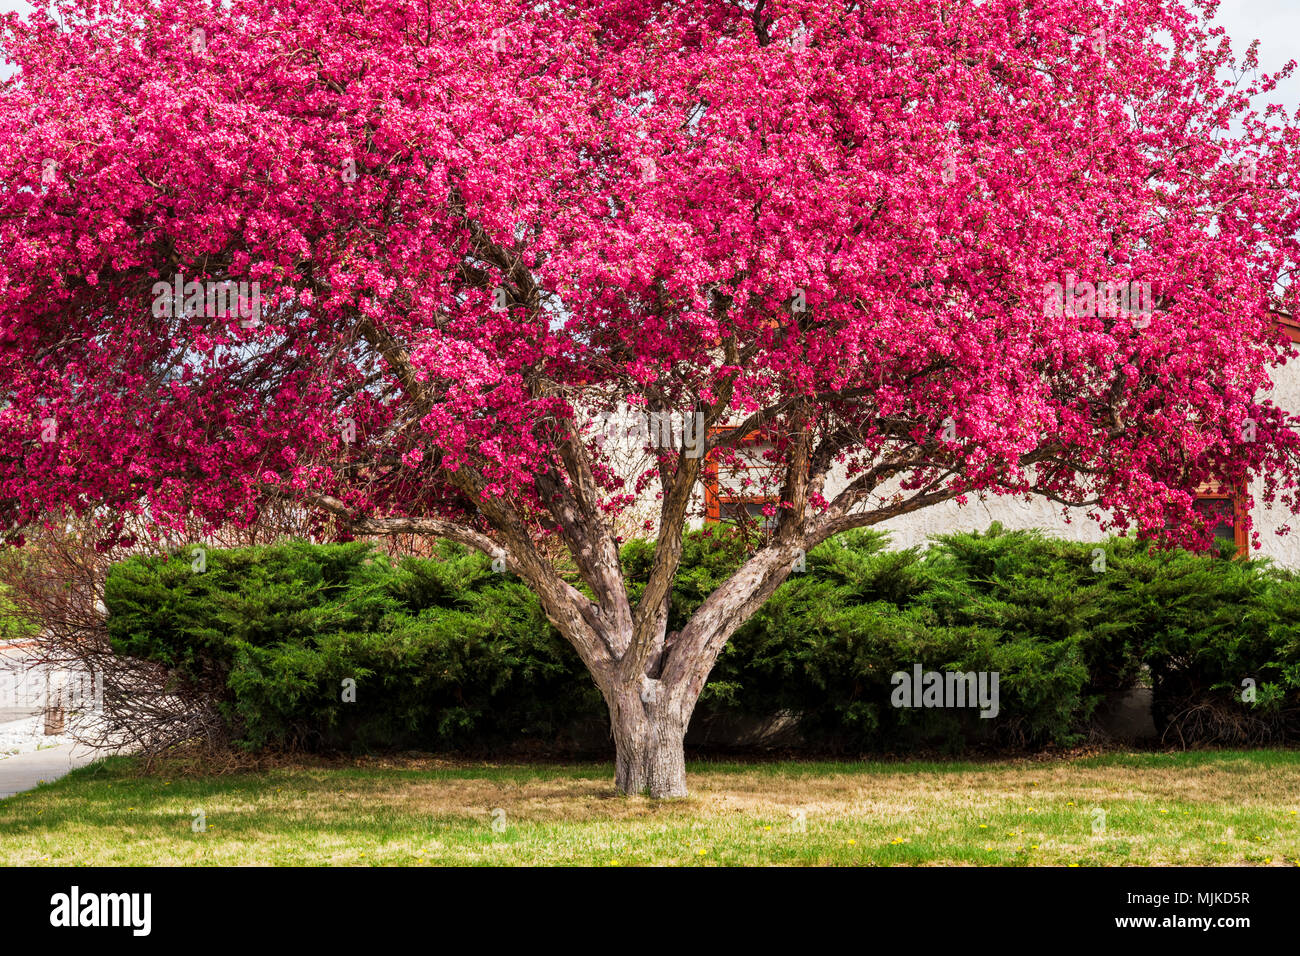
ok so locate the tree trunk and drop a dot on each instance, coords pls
(648, 741)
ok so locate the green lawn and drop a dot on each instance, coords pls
(1194, 808)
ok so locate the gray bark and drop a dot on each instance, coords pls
(649, 730)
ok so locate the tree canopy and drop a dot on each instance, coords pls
(392, 259)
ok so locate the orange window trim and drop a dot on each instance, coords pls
(714, 499)
(1239, 513)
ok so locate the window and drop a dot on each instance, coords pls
(1226, 508)
(739, 484)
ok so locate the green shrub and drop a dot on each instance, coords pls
(13, 623)
(444, 653)
(447, 654)
(1209, 629)
(828, 642)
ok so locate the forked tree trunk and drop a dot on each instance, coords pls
(648, 740)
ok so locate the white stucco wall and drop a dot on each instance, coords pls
(1016, 513)
(1037, 512)
(1285, 550)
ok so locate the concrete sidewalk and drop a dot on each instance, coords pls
(24, 771)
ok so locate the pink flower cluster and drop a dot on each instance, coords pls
(472, 222)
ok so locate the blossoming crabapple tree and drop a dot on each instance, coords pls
(886, 235)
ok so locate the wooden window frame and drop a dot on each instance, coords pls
(1240, 512)
(714, 498)
(1237, 495)
(1290, 326)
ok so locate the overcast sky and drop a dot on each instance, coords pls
(1276, 23)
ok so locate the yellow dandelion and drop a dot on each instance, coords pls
(984, 826)
(614, 863)
(703, 852)
(853, 843)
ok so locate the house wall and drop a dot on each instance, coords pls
(1285, 550)
(1072, 523)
